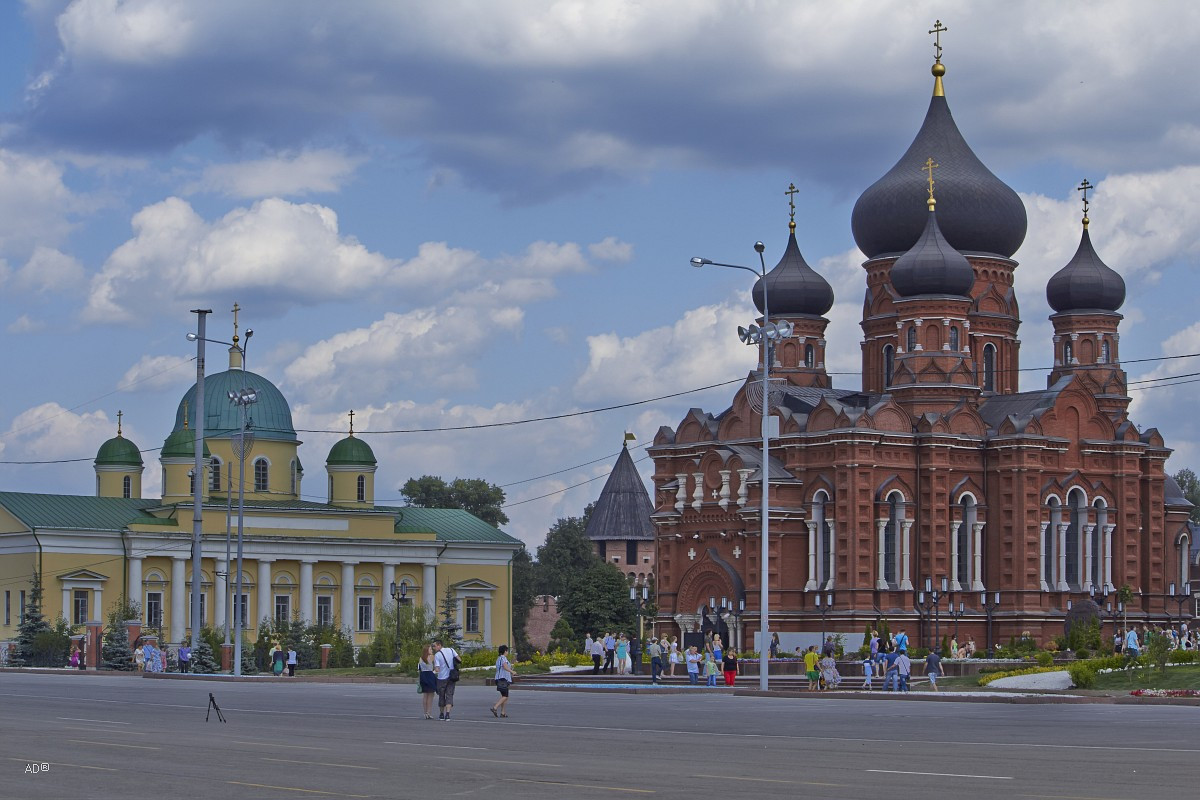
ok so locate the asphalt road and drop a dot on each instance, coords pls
(106, 737)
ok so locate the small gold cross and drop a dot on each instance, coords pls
(119, 415)
(791, 193)
(938, 30)
(929, 167)
(236, 309)
(352, 422)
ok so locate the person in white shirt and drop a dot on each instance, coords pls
(443, 662)
(597, 654)
(504, 677)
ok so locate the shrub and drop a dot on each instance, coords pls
(1082, 653)
(1044, 659)
(1182, 657)
(1083, 675)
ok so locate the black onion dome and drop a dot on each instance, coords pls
(1086, 282)
(983, 215)
(793, 287)
(932, 266)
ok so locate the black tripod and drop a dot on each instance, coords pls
(212, 706)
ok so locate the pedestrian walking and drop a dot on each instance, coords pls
(610, 651)
(730, 666)
(829, 672)
(597, 655)
(655, 653)
(933, 667)
(868, 667)
(291, 661)
(903, 669)
(902, 641)
(774, 650)
(504, 679)
(891, 672)
(185, 657)
(278, 660)
(446, 660)
(710, 669)
(693, 665)
(426, 681)
(810, 667)
(674, 656)
(587, 645)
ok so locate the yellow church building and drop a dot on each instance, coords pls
(325, 562)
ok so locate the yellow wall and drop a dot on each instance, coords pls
(16, 575)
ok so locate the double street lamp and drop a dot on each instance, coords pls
(989, 603)
(1180, 599)
(764, 335)
(824, 608)
(398, 592)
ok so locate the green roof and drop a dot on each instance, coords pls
(269, 415)
(119, 451)
(75, 512)
(182, 444)
(449, 525)
(351, 452)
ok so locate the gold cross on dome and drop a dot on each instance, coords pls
(930, 166)
(937, 31)
(791, 193)
(236, 309)
(352, 422)
(119, 415)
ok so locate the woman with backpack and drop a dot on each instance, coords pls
(447, 662)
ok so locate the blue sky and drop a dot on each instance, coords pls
(460, 213)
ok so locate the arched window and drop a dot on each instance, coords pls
(889, 365)
(825, 544)
(891, 540)
(1097, 537)
(331, 488)
(989, 368)
(127, 486)
(963, 541)
(953, 338)
(1048, 549)
(362, 488)
(810, 356)
(1068, 353)
(1185, 547)
(191, 482)
(214, 471)
(261, 475)
(1105, 352)
(912, 338)
(164, 480)
(295, 478)
(1078, 515)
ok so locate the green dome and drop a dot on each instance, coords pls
(351, 452)
(118, 452)
(270, 414)
(182, 444)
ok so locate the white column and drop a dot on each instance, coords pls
(1062, 557)
(743, 486)
(698, 491)
(68, 607)
(977, 553)
(1042, 559)
(724, 502)
(389, 577)
(98, 611)
(135, 584)
(680, 490)
(881, 578)
(905, 582)
(306, 589)
(348, 620)
(178, 598)
(1088, 555)
(812, 557)
(220, 592)
(264, 589)
(1108, 532)
(832, 555)
(955, 525)
(429, 586)
(487, 622)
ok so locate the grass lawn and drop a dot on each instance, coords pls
(1185, 677)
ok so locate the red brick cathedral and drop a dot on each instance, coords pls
(938, 468)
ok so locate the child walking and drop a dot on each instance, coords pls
(868, 670)
(711, 668)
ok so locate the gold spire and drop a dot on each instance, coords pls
(938, 69)
(236, 309)
(791, 193)
(352, 422)
(185, 415)
(119, 415)
(929, 167)
(1085, 187)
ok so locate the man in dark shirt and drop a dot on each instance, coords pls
(891, 675)
(829, 648)
(933, 667)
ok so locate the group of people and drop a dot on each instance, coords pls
(1133, 641)
(609, 652)
(438, 674)
(283, 662)
(821, 668)
(149, 658)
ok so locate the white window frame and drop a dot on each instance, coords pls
(365, 603)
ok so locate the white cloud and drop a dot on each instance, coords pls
(152, 373)
(25, 324)
(140, 32)
(49, 270)
(611, 249)
(34, 203)
(297, 174)
(49, 431)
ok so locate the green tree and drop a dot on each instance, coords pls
(567, 552)
(117, 651)
(1125, 597)
(562, 638)
(483, 499)
(32, 628)
(1190, 483)
(204, 662)
(598, 600)
(449, 631)
(524, 592)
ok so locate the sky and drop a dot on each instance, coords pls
(459, 214)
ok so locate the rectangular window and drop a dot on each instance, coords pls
(602, 550)
(154, 609)
(203, 607)
(240, 608)
(21, 609)
(472, 610)
(7, 608)
(366, 606)
(631, 552)
(324, 610)
(79, 606)
(283, 607)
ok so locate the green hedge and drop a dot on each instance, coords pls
(1083, 674)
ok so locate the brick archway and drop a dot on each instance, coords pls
(705, 579)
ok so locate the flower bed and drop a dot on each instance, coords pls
(1165, 693)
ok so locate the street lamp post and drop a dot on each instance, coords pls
(764, 335)
(989, 604)
(936, 595)
(1179, 599)
(245, 442)
(398, 593)
(198, 473)
(924, 608)
(956, 615)
(824, 608)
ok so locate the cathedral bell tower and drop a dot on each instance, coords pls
(1085, 294)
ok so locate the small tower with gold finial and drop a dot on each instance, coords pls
(178, 459)
(351, 467)
(119, 467)
(938, 69)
